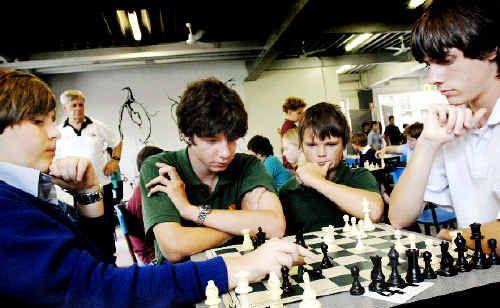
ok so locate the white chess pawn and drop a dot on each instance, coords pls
(309, 296)
(360, 246)
(429, 246)
(413, 240)
(399, 246)
(361, 229)
(242, 285)
(347, 227)
(366, 209)
(275, 288)
(247, 241)
(354, 229)
(366, 165)
(212, 294)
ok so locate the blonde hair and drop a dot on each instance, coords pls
(291, 136)
(70, 95)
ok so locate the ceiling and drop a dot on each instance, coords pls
(278, 29)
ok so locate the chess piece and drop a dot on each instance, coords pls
(300, 273)
(212, 294)
(275, 289)
(377, 283)
(354, 228)
(453, 235)
(347, 227)
(479, 260)
(247, 240)
(309, 296)
(361, 229)
(428, 271)
(360, 246)
(367, 221)
(429, 246)
(446, 268)
(242, 286)
(261, 236)
(315, 273)
(461, 264)
(398, 245)
(326, 262)
(493, 259)
(356, 288)
(299, 238)
(413, 273)
(395, 279)
(286, 285)
(329, 237)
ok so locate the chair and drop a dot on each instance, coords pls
(121, 213)
(435, 216)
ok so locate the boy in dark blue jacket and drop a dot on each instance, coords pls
(50, 251)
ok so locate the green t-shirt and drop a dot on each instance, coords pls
(306, 208)
(244, 174)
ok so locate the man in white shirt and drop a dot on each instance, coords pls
(82, 136)
(455, 162)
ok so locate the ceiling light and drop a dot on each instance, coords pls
(357, 40)
(145, 20)
(344, 68)
(413, 4)
(134, 23)
(123, 21)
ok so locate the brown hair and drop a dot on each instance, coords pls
(414, 130)
(293, 103)
(324, 120)
(469, 25)
(360, 139)
(23, 96)
(209, 107)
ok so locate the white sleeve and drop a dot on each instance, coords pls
(110, 138)
(437, 190)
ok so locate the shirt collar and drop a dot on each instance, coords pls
(85, 123)
(494, 118)
(192, 178)
(365, 149)
(23, 178)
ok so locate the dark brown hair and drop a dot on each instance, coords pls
(23, 96)
(260, 145)
(359, 139)
(414, 130)
(325, 120)
(469, 25)
(209, 107)
(293, 103)
(144, 153)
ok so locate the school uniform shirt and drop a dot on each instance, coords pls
(90, 142)
(244, 173)
(306, 208)
(465, 175)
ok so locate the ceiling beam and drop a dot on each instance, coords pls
(271, 48)
(367, 27)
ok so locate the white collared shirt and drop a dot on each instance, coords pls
(465, 175)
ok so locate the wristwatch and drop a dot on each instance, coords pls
(202, 215)
(90, 197)
(116, 158)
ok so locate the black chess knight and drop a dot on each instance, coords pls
(377, 283)
(447, 268)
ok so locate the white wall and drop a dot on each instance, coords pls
(152, 85)
(265, 96)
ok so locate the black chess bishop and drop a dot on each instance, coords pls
(462, 264)
(447, 268)
(428, 270)
(325, 262)
(395, 279)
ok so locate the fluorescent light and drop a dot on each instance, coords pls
(357, 40)
(413, 4)
(123, 21)
(145, 20)
(134, 23)
(344, 68)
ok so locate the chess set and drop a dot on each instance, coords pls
(350, 257)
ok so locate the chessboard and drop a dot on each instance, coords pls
(343, 256)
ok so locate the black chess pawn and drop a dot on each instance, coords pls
(493, 259)
(447, 268)
(428, 270)
(413, 273)
(255, 242)
(326, 262)
(479, 260)
(462, 264)
(299, 238)
(377, 283)
(286, 285)
(300, 274)
(356, 288)
(394, 279)
(315, 273)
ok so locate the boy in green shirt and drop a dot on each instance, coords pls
(326, 188)
(202, 196)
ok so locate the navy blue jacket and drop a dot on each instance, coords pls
(47, 260)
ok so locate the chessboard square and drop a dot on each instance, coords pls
(340, 253)
(334, 248)
(344, 280)
(310, 236)
(347, 245)
(349, 260)
(366, 274)
(392, 238)
(225, 251)
(373, 241)
(377, 229)
(335, 271)
(365, 250)
(381, 233)
(315, 245)
(384, 245)
(258, 287)
(296, 290)
(367, 265)
(344, 240)
(321, 286)
(420, 245)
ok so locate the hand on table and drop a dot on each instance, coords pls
(269, 257)
(444, 234)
